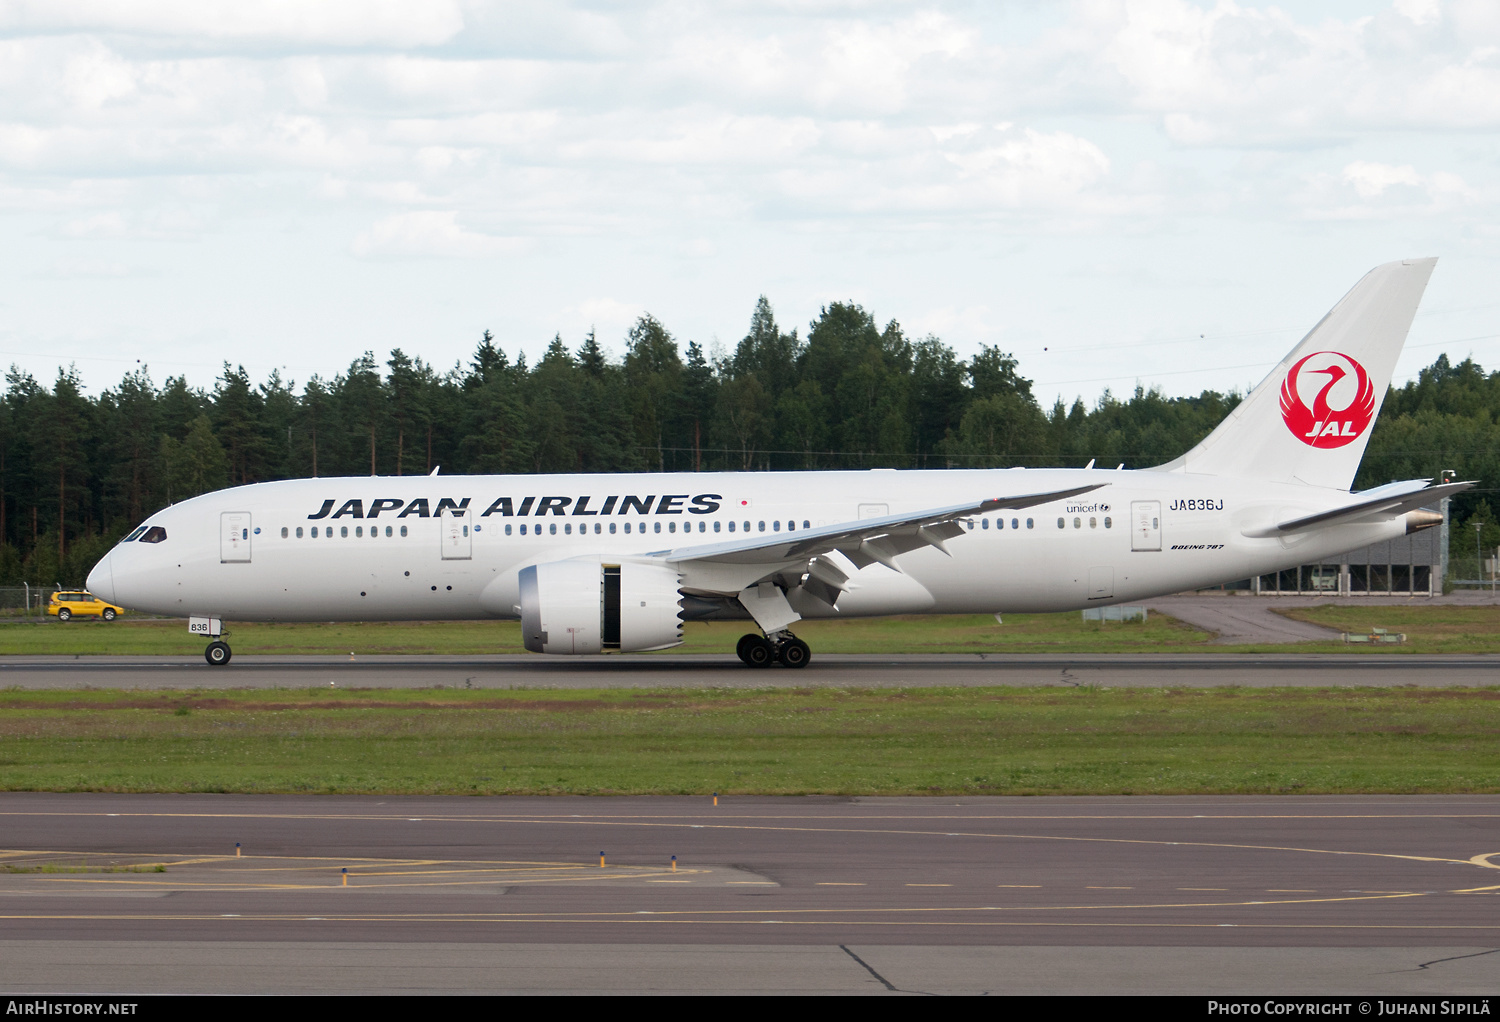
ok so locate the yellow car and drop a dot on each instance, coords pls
(66, 606)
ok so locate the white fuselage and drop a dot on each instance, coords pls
(382, 552)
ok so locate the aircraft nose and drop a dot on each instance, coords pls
(102, 579)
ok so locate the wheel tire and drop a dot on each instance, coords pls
(109, 614)
(794, 653)
(65, 614)
(217, 654)
(743, 645)
(759, 652)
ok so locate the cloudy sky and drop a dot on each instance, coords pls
(1117, 191)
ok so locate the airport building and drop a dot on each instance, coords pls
(1413, 565)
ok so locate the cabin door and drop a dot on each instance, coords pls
(458, 545)
(1145, 525)
(234, 537)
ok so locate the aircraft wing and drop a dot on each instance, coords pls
(865, 541)
(1378, 505)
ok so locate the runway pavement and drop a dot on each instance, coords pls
(1249, 895)
(720, 671)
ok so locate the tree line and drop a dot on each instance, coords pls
(77, 472)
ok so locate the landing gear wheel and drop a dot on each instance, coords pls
(217, 654)
(743, 645)
(65, 614)
(794, 653)
(109, 614)
(758, 652)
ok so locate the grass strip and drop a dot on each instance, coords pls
(1083, 741)
(966, 633)
(1429, 629)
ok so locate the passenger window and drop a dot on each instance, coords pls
(627, 528)
(1108, 523)
(1093, 523)
(598, 528)
(1029, 523)
(155, 534)
(762, 526)
(359, 531)
(611, 528)
(1062, 523)
(523, 528)
(466, 530)
(403, 530)
(716, 526)
(507, 528)
(807, 525)
(1078, 523)
(702, 526)
(658, 526)
(776, 526)
(387, 531)
(552, 528)
(984, 523)
(344, 531)
(731, 526)
(283, 532)
(299, 532)
(567, 528)
(671, 526)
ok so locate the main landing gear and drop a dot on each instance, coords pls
(781, 647)
(217, 654)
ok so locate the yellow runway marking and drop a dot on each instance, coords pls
(727, 915)
(563, 818)
(636, 821)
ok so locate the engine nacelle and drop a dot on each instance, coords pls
(586, 606)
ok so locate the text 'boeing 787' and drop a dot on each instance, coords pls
(598, 563)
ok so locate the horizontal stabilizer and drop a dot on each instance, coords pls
(1378, 505)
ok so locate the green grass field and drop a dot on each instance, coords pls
(848, 742)
(917, 634)
(1429, 629)
(1432, 628)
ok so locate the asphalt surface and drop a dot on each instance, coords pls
(1365, 895)
(724, 671)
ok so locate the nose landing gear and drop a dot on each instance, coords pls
(217, 654)
(781, 647)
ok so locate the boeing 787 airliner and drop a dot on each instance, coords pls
(597, 563)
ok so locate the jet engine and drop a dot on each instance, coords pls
(585, 606)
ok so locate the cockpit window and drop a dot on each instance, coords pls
(134, 535)
(155, 534)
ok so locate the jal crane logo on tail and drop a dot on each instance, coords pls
(1327, 400)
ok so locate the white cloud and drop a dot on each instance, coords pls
(1370, 180)
(432, 233)
(1420, 12)
(327, 22)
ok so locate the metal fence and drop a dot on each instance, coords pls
(17, 601)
